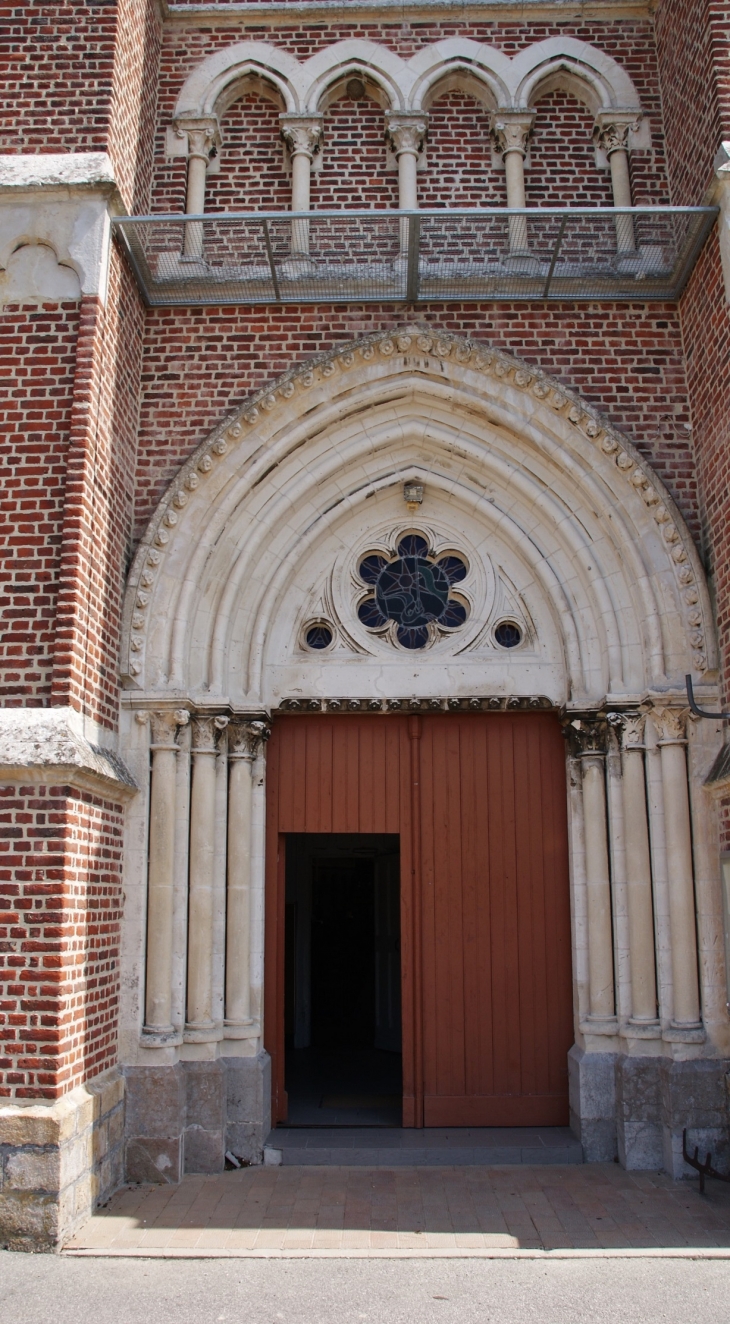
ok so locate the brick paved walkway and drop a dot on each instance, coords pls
(422, 1211)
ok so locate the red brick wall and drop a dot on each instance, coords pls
(60, 915)
(200, 363)
(37, 363)
(98, 508)
(459, 170)
(253, 174)
(353, 172)
(563, 169)
(692, 49)
(56, 75)
(134, 99)
(694, 60)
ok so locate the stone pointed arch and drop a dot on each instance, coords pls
(381, 67)
(213, 84)
(590, 73)
(530, 477)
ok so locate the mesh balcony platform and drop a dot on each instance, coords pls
(477, 255)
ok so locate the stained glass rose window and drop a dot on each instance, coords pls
(411, 593)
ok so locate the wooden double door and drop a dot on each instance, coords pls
(479, 803)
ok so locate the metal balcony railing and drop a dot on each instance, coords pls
(477, 255)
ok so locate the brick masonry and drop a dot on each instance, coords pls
(60, 915)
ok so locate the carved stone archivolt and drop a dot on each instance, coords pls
(405, 344)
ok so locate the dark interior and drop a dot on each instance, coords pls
(343, 1012)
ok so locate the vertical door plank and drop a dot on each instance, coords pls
(496, 942)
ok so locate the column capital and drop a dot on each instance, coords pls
(612, 129)
(302, 133)
(246, 739)
(511, 129)
(629, 728)
(671, 725)
(206, 732)
(165, 726)
(202, 133)
(406, 133)
(587, 737)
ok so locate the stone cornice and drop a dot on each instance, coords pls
(54, 170)
(42, 745)
(278, 13)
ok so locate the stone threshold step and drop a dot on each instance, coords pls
(427, 1156)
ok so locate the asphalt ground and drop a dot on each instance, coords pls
(52, 1289)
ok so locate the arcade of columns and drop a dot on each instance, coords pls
(406, 132)
(630, 816)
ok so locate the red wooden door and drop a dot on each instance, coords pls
(497, 998)
(479, 803)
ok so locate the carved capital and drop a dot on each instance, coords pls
(406, 133)
(302, 134)
(612, 129)
(206, 732)
(203, 134)
(587, 737)
(511, 129)
(671, 725)
(165, 726)
(629, 728)
(246, 738)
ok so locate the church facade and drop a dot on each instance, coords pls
(355, 566)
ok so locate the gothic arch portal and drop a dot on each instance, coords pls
(544, 519)
(561, 522)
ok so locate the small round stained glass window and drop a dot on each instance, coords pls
(508, 635)
(413, 591)
(318, 636)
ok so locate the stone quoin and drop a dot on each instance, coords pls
(352, 567)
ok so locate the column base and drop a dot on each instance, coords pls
(182, 1119)
(638, 1113)
(203, 1032)
(60, 1159)
(593, 1103)
(695, 1095)
(248, 1105)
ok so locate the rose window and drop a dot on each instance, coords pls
(411, 594)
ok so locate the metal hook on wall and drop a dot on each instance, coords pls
(700, 712)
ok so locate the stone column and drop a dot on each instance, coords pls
(164, 747)
(244, 743)
(670, 724)
(406, 134)
(612, 134)
(200, 1023)
(638, 873)
(202, 135)
(302, 135)
(511, 131)
(590, 739)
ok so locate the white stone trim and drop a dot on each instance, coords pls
(61, 203)
(208, 87)
(56, 170)
(721, 195)
(510, 83)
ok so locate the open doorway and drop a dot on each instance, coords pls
(342, 980)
